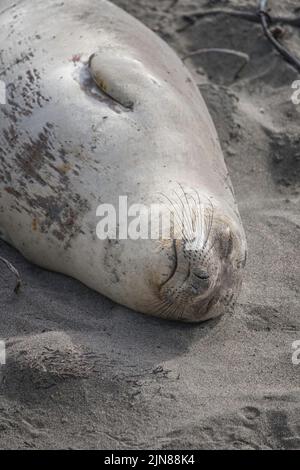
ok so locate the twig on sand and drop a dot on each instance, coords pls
(15, 272)
(262, 17)
(244, 15)
(266, 21)
(241, 55)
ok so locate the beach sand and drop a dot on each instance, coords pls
(85, 373)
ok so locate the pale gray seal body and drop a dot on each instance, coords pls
(99, 107)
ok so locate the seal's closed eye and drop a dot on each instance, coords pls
(203, 275)
(199, 281)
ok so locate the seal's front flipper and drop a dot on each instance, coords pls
(125, 79)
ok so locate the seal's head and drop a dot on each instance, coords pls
(209, 256)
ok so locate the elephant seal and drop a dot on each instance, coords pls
(98, 107)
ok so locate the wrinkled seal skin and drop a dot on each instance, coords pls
(98, 106)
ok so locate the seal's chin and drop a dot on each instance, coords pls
(207, 276)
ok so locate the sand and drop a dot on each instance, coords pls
(83, 372)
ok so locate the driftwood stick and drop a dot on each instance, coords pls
(244, 15)
(242, 55)
(261, 16)
(15, 272)
(266, 21)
